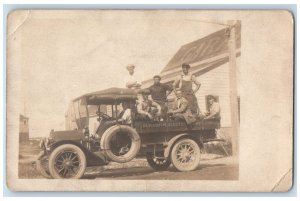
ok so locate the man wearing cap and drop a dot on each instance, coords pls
(185, 84)
(132, 79)
(159, 93)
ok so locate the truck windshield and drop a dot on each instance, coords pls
(80, 111)
(76, 116)
(93, 109)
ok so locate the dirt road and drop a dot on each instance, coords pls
(215, 169)
(211, 167)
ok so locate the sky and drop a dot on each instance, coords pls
(65, 54)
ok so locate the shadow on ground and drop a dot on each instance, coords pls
(142, 172)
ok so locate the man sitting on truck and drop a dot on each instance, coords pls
(147, 109)
(159, 93)
(181, 110)
(214, 108)
(124, 118)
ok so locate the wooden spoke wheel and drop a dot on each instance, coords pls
(68, 162)
(185, 155)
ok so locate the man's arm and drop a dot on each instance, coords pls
(132, 84)
(214, 111)
(126, 115)
(196, 82)
(168, 89)
(141, 111)
(175, 84)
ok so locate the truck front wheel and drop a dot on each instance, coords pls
(67, 162)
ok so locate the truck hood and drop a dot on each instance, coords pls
(66, 135)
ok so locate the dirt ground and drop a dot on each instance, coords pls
(27, 155)
(225, 168)
(214, 165)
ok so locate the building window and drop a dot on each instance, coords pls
(25, 122)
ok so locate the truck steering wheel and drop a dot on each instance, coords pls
(105, 116)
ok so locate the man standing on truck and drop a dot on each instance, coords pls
(132, 79)
(185, 84)
(159, 93)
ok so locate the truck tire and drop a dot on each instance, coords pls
(67, 162)
(185, 155)
(42, 165)
(129, 139)
(158, 164)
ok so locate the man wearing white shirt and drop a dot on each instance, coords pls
(124, 118)
(133, 81)
(125, 115)
(214, 108)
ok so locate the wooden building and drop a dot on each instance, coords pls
(209, 61)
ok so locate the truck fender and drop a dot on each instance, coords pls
(178, 137)
(61, 142)
(92, 159)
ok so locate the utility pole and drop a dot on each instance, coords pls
(233, 87)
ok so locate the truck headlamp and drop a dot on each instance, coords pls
(42, 143)
(47, 142)
(86, 132)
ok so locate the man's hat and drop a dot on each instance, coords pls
(211, 97)
(157, 76)
(185, 65)
(130, 66)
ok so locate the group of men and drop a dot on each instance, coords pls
(152, 103)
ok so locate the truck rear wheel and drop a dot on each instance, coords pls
(157, 163)
(67, 162)
(120, 143)
(185, 155)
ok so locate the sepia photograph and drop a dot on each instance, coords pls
(139, 95)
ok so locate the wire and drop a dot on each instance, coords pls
(203, 21)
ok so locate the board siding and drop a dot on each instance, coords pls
(216, 82)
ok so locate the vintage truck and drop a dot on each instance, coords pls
(66, 154)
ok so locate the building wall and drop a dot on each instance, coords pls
(23, 130)
(23, 137)
(216, 82)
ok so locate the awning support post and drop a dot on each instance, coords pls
(233, 87)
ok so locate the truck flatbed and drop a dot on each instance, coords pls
(144, 127)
